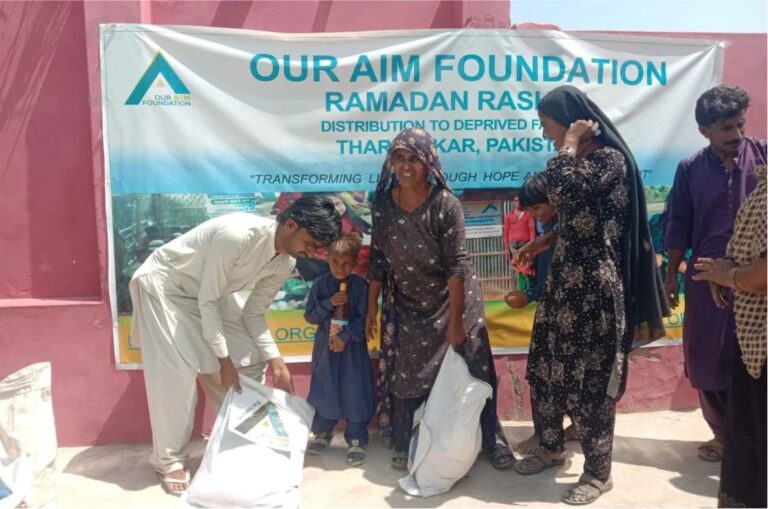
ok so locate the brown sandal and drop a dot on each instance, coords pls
(588, 490)
(540, 461)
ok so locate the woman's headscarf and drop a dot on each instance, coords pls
(644, 297)
(416, 141)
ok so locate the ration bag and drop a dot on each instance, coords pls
(446, 438)
(27, 438)
(255, 455)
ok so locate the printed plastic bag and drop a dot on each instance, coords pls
(255, 455)
(27, 438)
(446, 438)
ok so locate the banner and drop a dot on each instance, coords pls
(204, 121)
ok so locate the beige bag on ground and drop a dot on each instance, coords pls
(28, 436)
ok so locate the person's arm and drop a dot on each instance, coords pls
(678, 233)
(220, 257)
(317, 310)
(750, 279)
(254, 319)
(724, 273)
(455, 334)
(455, 262)
(374, 290)
(505, 232)
(526, 254)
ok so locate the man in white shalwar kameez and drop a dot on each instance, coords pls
(191, 327)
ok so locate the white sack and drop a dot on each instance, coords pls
(28, 436)
(446, 438)
(259, 462)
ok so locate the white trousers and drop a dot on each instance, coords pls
(171, 377)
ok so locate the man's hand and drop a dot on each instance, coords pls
(672, 290)
(229, 375)
(335, 344)
(455, 335)
(281, 377)
(516, 299)
(339, 298)
(371, 324)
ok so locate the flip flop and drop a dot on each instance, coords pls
(168, 481)
(711, 451)
(588, 490)
(540, 461)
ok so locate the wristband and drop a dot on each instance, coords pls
(733, 279)
(567, 150)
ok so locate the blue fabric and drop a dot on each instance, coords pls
(542, 265)
(355, 429)
(342, 383)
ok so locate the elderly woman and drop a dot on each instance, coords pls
(432, 297)
(602, 292)
(743, 471)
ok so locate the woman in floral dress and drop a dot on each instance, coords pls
(602, 290)
(432, 296)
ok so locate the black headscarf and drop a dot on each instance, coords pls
(644, 298)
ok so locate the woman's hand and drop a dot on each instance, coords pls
(580, 131)
(455, 335)
(716, 271)
(718, 274)
(371, 324)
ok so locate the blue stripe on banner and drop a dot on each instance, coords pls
(162, 174)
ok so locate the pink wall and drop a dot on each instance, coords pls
(53, 248)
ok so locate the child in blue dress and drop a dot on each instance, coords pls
(342, 382)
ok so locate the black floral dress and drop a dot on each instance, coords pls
(581, 319)
(414, 254)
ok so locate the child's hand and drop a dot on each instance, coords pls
(335, 344)
(339, 298)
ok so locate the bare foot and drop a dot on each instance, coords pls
(529, 445)
(176, 482)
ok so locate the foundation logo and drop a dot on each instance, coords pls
(158, 78)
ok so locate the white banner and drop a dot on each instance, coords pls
(201, 121)
(209, 110)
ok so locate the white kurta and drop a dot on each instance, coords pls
(185, 315)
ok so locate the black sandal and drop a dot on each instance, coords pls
(319, 443)
(400, 461)
(501, 456)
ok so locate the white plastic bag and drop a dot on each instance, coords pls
(255, 455)
(28, 437)
(446, 438)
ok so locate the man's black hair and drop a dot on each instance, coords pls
(723, 101)
(317, 215)
(534, 191)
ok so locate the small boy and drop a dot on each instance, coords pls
(534, 199)
(342, 382)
